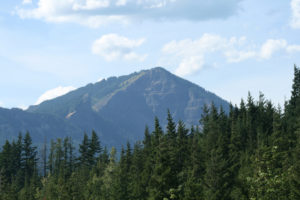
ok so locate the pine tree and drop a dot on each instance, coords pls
(71, 155)
(193, 187)
(157, 133)
(159, 183)
(6, 164)
(123, 174)
(17, 154)
(94, 148)
(172, 154)
(109, 188)
(148, 160)
(294, 101)
(292, 112)
(51, 157)
(104, 157)
(295, 169)
(182, 148)
(85, 156)
(171, 128)
(29, 157)
(66, 159)
(217, 176)
(44, 158)
(137, 185)
(268, 181)
(251, 123)
(59, 158)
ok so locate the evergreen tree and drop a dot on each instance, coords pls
(6, 164)
(157, 133)
(109, 189)
(295, 169)
(51, 157)
(94, 148)
(159, 183)
(29, 157)
(193, 186)
(58, 157)
(171, 127)
(104, 157)
(137, 186)
(268, 181)
(44, 158)
(148, 159)
(85, 156)
(292, 113)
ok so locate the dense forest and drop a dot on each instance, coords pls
(252, 152)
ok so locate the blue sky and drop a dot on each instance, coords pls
(49, 47)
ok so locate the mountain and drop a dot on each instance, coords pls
(117, 108)
(41, 126)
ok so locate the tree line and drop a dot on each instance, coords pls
(252, 152)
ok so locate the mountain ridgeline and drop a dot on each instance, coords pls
(117, 108)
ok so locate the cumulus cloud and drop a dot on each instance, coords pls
(94, 13)
(235, 56)
(191, 53)
(191, 56)
(271, 46)
(53, 93)
(27, 2)
(189, 65)
(113, 47)
(91, 5)
(293, 48)
(295, 6)
(121, 2)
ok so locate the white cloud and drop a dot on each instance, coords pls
(1, 104)
(113, 47)
(295, 6)
(191, 56)
(271, 46)
(121, 2)
(189, 65)
(72, 11)
(27, 2)
(95, 13)
(91, 5)
(235, 56)
(293, 48)
(53, 93)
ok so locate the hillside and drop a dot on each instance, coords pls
(117, 108)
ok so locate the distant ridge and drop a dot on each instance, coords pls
(117, 108)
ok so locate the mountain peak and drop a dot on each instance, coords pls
(118, 108)
(159, 69)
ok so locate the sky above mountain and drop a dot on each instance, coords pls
(49, 47)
